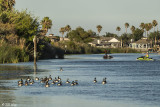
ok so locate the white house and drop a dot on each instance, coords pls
(105, 42)
(142, 44)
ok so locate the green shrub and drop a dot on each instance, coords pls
(12, 54)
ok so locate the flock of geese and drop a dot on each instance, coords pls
(49, 80)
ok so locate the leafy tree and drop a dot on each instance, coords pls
(79, 35)
(99, 28)
(126, 26)
(24, 23)
(7, 4)
(125, 38)
(92, 33)
(138, 34)
(154, 36)
(108, 34)
(46, 24)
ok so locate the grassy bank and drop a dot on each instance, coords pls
(121, 50)
(80, 48)
(12, 54)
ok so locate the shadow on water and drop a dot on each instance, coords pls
(9, 74)
(12, 72)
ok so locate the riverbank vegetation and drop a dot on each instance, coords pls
(17, 30)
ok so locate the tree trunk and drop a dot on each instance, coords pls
(35, 49)
(121, 43)
(155, 42)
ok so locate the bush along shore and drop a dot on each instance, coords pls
(71, 47)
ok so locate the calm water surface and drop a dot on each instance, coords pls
(131, 83)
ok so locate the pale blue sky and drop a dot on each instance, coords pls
(90, 13)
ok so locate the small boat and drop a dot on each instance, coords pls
(107, 57)
(144, 58)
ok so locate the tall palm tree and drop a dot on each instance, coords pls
(132, 29)
(99, 28)
(154, 23)
(142, 26)
(62, 30)
(46, 24)
(118, 29)
(126, 26)
(148, 26)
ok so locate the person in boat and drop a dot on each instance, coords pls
(105, 51)
(147, 55)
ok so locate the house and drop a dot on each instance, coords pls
(105, 42)
(64, 39)
(53, 38)
(143, 44)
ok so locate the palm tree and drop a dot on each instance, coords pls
(132, 29)
(154, 23)
(118, 29)
(46, 24)
(126, 26)
(67, 28)
(142, 26)
(7, 4)
(148, 26)
(99, 28)
(62, 30)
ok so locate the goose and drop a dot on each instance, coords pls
(47, 84)
(95, 81)
(36, 78)
(59, 84)
(67, 82)
(50, 78)
(26, 83)
(28, 78)
(20, 82)
(76, 82)
(59, 78)
(72, 84)
(104, 81)
(61, 69)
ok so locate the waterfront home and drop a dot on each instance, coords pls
(64, 39)
(143, 44)
(105, 42)
(53, 38)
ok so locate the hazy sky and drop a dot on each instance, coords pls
(90, 13)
